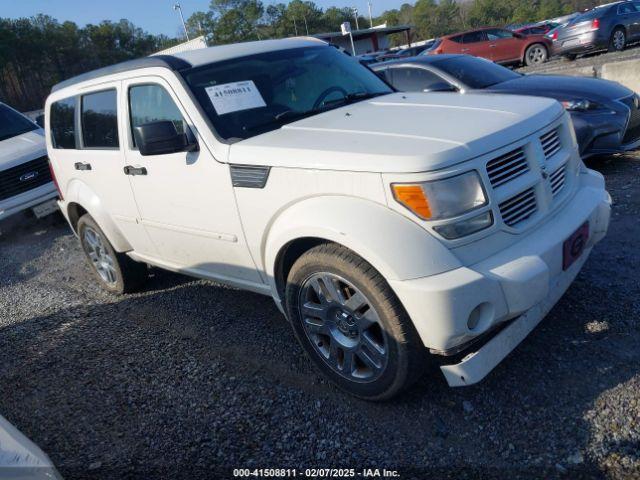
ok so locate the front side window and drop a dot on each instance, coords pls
(100, 120)
(415, 79)
(63, 123)
(13, 124)
(247, 96)
(152, 103)
(499, 34)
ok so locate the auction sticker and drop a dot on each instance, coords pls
(235, 96)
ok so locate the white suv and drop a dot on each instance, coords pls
(384, 225)
(25, 178)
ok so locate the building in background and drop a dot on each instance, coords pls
(366, 40)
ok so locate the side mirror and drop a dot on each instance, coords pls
(161, 138)
(441, 87)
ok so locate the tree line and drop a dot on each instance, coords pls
(38, 52)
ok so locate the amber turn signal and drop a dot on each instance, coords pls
(412, 197)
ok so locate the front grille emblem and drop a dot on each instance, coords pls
(28, 176)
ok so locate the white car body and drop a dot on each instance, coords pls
(25, 181)
(328, 177)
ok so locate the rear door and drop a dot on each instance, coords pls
(504, 46)
(475, 43)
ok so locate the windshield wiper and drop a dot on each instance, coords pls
(355, 97)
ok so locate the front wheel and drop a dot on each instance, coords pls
(351, 325)
(535, 54)
(116, 272)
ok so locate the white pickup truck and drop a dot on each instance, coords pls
(25, 178)
(386, 226)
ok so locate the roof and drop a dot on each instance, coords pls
(194, 58)
(424, 59)
(364, 32)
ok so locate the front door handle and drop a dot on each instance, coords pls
(130, 170)
(82, 166)
(465, 50)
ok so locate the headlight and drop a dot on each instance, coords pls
(439, 199)
(580, 105)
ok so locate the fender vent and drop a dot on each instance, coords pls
(246, 176)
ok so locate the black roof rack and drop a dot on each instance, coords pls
(165, 61)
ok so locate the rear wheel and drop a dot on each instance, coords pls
(351, 324)
(618, 40)
(116, 272)
(535, 54)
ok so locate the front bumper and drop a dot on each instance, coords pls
(26, 200)
(602, 133)
(521, 282)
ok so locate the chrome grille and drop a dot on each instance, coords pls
(506, 167)
(550, 143)
(24, 177)
(519, 207)
(557, 180)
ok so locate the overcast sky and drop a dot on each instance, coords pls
(155, 16)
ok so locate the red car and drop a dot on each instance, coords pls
(538, 29)
(496, 44)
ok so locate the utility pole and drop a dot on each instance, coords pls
(184, 25)
(355, 14)
(370, 16)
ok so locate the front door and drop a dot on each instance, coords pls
(504, 46)
(185, 199)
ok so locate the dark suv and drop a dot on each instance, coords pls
(608, 27)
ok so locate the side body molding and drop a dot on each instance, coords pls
(80, 193)
(398, 248)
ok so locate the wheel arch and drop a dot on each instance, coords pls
(80, 199)
(394, 245)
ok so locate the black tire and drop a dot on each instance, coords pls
(404, 351)
(569, 57)
(128, 275)
(615, 45)
(536, 54)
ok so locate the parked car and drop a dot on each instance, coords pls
(536, 29)
(605, 114)
(496, 44)
(607, 27)
(384, 225)
(405, 52)
(25, 178)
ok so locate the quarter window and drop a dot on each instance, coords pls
(100, 120)
(63, 125)
(152, 103)
(415, 79)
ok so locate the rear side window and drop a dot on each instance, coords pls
(626, 8)
(473, 37)
(100, 120)
(152, 103)
(457, 39)
(414, 79)
(63, 125)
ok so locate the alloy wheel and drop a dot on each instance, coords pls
(102, 261)
(618, 39)
(536, 55)
(343, 327)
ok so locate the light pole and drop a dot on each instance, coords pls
(355, 14)
(184, 25)
(370, 16)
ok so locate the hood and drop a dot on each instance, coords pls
(22, 148)
(400, 132)
(563, 87)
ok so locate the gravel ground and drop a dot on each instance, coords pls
(190, 379)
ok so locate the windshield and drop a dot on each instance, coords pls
(251, 95)
(13, 124)
(475, 72)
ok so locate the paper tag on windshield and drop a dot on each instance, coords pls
(234, 97)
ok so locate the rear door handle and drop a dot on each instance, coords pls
(464, 50)
(82, 166)
(130, 170)
(493, 46)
